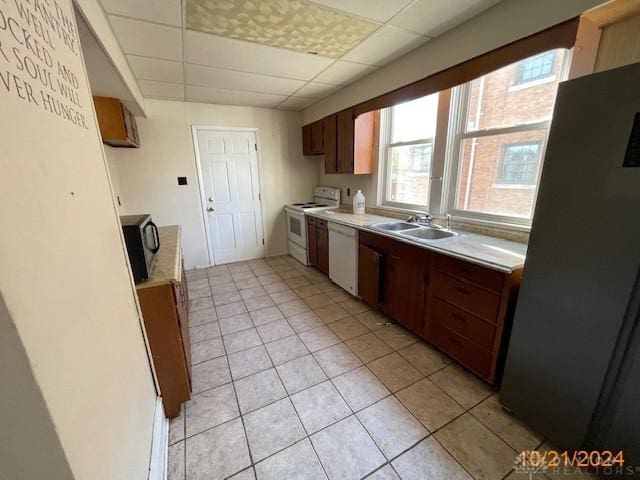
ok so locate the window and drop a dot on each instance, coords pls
(495, 137)
(410, 130)
(519, 164)
(536, 67)
(497, 146)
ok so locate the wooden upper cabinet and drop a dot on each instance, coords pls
(346, 138)
(330, 141)
(316, 138)
(118, 126)
(350, 142)
(366, 134)
(306, 140)
(312, 141)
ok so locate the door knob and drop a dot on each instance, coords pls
(211, 209)
(210, 199)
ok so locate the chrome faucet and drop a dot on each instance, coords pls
(422, 219)
(448, 221)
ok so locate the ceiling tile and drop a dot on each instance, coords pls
(317, 90)
(433, 17)
(162, 89)
(232, 97)
(234, 80)
(385, 45)
(379, 10)
(147, 39)
(154, 69)
(161, 11)
(297, 103)
(292, 24)
(215, 51)
(342, 73)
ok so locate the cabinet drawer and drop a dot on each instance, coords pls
(467, 325)
(311, 221)
(468, 297)
(481, 276)
(471, 355)
(321, 223)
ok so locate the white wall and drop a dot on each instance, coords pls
(503, 23)
(65, 281)
(114, 176)
(148, 175)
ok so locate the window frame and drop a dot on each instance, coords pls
(386, 122)
(457, 133)
(437, 159)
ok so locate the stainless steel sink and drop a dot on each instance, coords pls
(394, 226)
(427, 233)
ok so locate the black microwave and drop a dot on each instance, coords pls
(143, 242)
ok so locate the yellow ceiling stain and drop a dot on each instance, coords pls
(291, 24)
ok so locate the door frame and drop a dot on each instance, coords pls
(203, 200)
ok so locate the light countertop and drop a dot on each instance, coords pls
(495, 253)
(166, 266)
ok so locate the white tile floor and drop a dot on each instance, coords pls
(295, 379)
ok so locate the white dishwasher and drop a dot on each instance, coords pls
(343, 256)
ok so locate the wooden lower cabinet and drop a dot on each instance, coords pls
(461, 308)
(318, 244)
(164, 311)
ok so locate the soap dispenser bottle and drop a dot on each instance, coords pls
(358, 203)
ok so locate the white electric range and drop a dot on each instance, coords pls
(324, 198)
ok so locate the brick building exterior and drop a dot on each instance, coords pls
(504, 168)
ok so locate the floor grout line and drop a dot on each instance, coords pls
(312, 282)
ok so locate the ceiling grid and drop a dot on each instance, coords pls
(271, 53)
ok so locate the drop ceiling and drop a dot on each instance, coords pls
(271, 53)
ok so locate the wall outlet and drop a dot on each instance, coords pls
(182, 180)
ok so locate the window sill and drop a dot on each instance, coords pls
(484, 222)
(507, 186)
(533, 83)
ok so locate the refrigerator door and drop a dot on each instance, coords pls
(582, 260)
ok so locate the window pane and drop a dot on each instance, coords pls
(498, 173)
(536, 67)
(415, 120)
(409, 171)
(506, 97)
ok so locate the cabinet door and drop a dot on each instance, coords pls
(404, 291)
(330, 146)
(369, 275)
(366, 127)
(316, 138)
(306, 140)
(323, 249)
(312, 244)
(346, 131)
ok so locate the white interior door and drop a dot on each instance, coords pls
(231, 188)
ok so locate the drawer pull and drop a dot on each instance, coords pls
(464, 291)
(459, 317)
(455, 341)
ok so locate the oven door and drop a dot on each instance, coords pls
(297, 228)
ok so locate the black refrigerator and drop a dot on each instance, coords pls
(573, 365)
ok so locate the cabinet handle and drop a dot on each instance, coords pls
(425, 279)
(459, 317)
(455, 341)
(463, 291)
